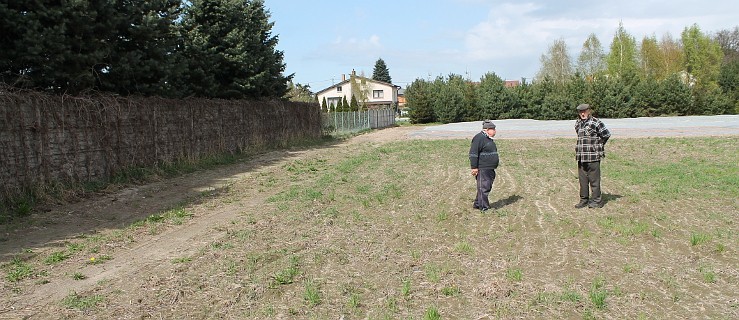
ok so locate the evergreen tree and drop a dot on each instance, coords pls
(493, 97)
(231, 52)
(647, 97)
(339, 107)
(354, 105)
(470, 103)
(675, 97)
(448, 98)
(140, 58)
(73, 46)
(524, 94)
(345, 105)
(550, 101)
(380, 72)
(728, 80)
(55, 46)
(418, 99)
(324, 106)
(579, 90)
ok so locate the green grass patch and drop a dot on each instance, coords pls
(80, 302)
(57, 257)
(514, 274)
(697, 238)
(18, 270)
(598, 293)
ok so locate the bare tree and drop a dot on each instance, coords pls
(729, 42)
(592, 59)
(556, 65)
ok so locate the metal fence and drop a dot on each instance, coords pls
(349, 122)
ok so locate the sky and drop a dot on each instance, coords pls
(424, 39)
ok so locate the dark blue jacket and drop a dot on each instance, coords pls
(483, 152)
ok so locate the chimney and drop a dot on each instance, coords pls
(343, 77)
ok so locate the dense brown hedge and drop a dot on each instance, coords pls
(46, 139)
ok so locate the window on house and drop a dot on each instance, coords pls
(378, 94)
(338, 89)
(333, 102)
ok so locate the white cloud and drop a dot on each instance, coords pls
(355, 44)
(508, 31)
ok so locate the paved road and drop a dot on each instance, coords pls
(724, 125)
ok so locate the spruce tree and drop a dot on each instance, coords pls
(141, 56)
(380, 72)
(231, 52)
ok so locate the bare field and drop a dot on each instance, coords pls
(382, 227)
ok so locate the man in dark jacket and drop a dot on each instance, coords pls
(592, 136)
(483, 161)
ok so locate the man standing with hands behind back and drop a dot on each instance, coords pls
(483, 161)
(592, 136)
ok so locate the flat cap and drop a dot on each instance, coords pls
(583, 106)
(487, 124)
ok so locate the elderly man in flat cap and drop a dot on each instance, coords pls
(483, 161)
(592, 136)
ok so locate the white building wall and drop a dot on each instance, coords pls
(390, 93)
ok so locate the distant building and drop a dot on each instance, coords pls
(372, 94)
(512, 83)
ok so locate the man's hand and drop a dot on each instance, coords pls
(475, 171)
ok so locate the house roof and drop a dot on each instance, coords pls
(348, 80)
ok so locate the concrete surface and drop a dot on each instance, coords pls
(688, 126)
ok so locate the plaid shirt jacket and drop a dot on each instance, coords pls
(592, 136)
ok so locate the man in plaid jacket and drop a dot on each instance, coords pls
(592, 136)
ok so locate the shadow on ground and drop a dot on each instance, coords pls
(505, 202)
(608, 197)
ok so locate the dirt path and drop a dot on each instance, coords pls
(149, 254)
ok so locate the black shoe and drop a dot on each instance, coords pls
(484, 209)
(581, 204)
(595, 205)
(475, 207)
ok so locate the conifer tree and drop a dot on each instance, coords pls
(345, 104)
(354, 104)
(418, 100)
(380, 72)
(232, 52)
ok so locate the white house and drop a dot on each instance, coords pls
(371, 94)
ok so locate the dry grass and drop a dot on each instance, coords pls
(387, 231)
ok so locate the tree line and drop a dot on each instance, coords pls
(167, 48)
(695, 75)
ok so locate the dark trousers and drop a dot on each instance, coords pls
(588, 173)
(485, 178)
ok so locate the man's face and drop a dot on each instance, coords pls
(583, 113)
(490, 132)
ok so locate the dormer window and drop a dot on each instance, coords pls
(338, 89)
